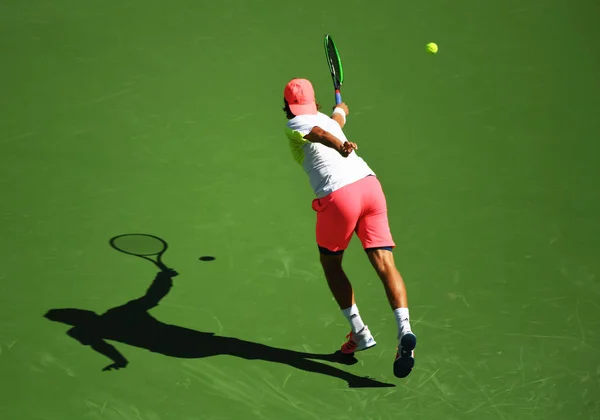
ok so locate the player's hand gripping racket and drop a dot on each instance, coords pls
(335, 67)
(148, 247)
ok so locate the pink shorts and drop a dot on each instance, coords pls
(359, 207)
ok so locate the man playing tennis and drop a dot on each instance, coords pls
(349, 199)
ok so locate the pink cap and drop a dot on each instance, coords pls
(300, 96)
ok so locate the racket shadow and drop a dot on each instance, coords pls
(133, 325)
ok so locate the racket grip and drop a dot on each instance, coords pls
(338, 97)
(163, 267)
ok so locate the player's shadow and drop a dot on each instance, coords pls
(132, 324)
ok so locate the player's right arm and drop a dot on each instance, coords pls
(338, 118)
(318, 135)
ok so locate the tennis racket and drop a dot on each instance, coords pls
(148, 247)
(335, 67)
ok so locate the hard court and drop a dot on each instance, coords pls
(165, 118)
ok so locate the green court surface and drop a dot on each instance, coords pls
(165, 118)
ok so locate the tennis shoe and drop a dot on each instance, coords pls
(405, 355)
(359, 341)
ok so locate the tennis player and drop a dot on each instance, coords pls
(349, 198)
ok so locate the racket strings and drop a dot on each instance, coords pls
(142, 245)
(334, 61)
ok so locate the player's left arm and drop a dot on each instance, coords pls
(318, 135)
(89, 337)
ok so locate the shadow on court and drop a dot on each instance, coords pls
(132, 324)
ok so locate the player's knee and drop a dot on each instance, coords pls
(331, 263)
(382, 260)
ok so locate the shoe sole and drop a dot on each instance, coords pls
(404, 364)
(368, 347)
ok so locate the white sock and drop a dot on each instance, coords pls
(353, 318)
(403, 321)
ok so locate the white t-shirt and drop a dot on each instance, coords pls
(327, 170)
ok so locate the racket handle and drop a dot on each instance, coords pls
(338, 97)
(163, 267)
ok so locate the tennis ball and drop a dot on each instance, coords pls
(432, 48)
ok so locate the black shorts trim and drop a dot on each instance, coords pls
(325, 251)
(386, 248)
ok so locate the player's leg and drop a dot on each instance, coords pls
(374, 233)
(336, 220)
(338, 282)
(360, 337)
(383, 262)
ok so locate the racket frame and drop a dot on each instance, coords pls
(338, 79)
(158, 256)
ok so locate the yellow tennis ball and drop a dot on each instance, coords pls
(432, 48)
